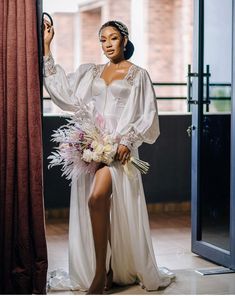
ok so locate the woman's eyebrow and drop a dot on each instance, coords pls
(102, 36)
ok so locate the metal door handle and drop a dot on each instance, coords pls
(207, 100)
(190, 129)
(189, 85)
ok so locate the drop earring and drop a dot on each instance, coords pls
(124, 49)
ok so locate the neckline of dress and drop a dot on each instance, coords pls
(123, 79)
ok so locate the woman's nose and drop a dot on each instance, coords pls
(108, 44)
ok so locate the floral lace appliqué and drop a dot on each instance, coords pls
(130, 140)
(49, 65)
(97, 70)
(132, 74)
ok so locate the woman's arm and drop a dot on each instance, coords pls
(54, 77)
(139, 121)
(48, 36)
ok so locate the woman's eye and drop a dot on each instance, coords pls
(102, 40)
(114, 38)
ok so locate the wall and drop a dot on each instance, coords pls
(170, 28)
(90, 21)
(164, 47)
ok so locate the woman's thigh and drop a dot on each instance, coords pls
(102, 184)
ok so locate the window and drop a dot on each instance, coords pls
(161, 33)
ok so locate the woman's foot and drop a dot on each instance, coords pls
(109, 280)
(97, 285)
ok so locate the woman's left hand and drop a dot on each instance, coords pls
(123, 153)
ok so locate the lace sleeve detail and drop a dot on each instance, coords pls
(95, 71)
(49, 65)
(132, 74)
(130, 140)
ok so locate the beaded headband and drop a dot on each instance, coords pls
(122, 28)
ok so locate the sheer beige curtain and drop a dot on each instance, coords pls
(23, 253)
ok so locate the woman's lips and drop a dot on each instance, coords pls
(110, 51)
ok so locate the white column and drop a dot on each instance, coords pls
(105, 16)
(138, 31)
(77, 43)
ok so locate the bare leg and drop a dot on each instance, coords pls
(109, 275)
(99, 204)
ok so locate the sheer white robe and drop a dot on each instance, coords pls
(130, 110)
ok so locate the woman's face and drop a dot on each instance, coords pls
(112, 43)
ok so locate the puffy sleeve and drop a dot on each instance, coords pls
(65, 89)
(139, 120)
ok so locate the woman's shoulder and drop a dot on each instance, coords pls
(136, 73)
(139, 68)
(92, 67)
(86, 66)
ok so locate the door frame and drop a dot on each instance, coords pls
(232, 190)
(204, 249)
(39, 10)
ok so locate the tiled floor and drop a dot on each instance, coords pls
(172, 242)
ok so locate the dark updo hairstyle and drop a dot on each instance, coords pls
(123, 30)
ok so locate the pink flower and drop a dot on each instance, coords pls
(100, 121)
(81, 136)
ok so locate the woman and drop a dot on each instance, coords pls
(109, 234)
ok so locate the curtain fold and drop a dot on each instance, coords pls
(23, 252)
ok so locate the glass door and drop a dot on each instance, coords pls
(211, 102)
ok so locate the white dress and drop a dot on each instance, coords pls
(130, 110)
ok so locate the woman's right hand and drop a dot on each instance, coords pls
(123, 153)
(48, 34)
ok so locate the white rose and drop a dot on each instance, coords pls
(106, 159)
(107, 148)
(99, 149)
(107, 139)
(87, 155)
(97, 157)
(94, 144)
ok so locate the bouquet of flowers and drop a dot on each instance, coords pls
(84, 143)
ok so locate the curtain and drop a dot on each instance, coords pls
(23, 252)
